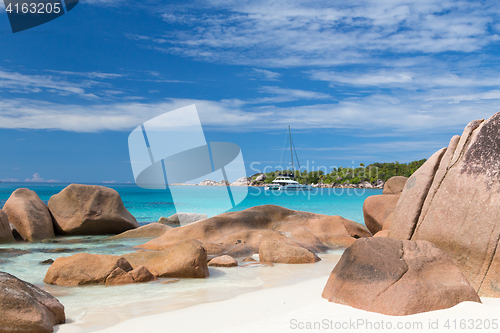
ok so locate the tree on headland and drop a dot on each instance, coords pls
(349, 175)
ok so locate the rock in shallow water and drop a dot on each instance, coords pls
(285, 253)
(223, 261)
(90, 210)
(26, 308)
(29, 215)
(240, 234)
(396, 277)
(5, 231)
(184, 259)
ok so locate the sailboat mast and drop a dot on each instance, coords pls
(291, 151)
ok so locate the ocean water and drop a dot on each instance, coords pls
(149, 205)
(89, 308)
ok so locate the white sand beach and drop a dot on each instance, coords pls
(291, 308)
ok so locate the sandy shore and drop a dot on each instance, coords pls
(299, 307)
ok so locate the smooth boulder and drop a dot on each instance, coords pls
(285, 253)
(394, 185)
(90, 210)
(184, 259)
(240, 234)
(223, 261)
(5, 231)
(28, 215)
(397, 278)
(459, 203)
(27, 308)
(377, 209)
(84, 268)
(151, 230)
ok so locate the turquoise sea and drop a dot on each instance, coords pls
(149, 205)
(89, 308)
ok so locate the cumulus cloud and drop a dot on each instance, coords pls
(38, 179)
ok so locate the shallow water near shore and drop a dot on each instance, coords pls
(89, 308)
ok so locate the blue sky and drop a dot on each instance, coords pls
(359, 81)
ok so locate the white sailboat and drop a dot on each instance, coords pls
(285, 182)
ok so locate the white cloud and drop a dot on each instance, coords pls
(374, 113)
(38, 179)
(285, 33)
(17, 82)
(267, 75)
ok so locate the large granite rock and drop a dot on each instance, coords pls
(183, 259)
(27, 308)
(85, 268)
(29, 215)
(396, 277)
(240, 234)
(285, 253)
(377, 209)
(458, 205)
(90, 210)
(5, 231)
(151, 230)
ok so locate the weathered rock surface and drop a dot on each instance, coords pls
(5, 231)
(240, 234)
(396, 277)
(29, 215)
(26, 308)
(183, 259)
(377, 209)
(394, 185)
(179, 219)
(84, 268)
(458, 208)
(151, 230)
(137, 275)
(285, 253)
(90, 210)
(223, 261)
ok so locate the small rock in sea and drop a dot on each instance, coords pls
(10, 253)
(249, 259)
(223, 261)
(167, 281)
(47, 262)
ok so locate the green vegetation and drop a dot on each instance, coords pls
(350, 175)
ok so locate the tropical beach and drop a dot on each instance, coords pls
(249, 166)
(385, 269)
